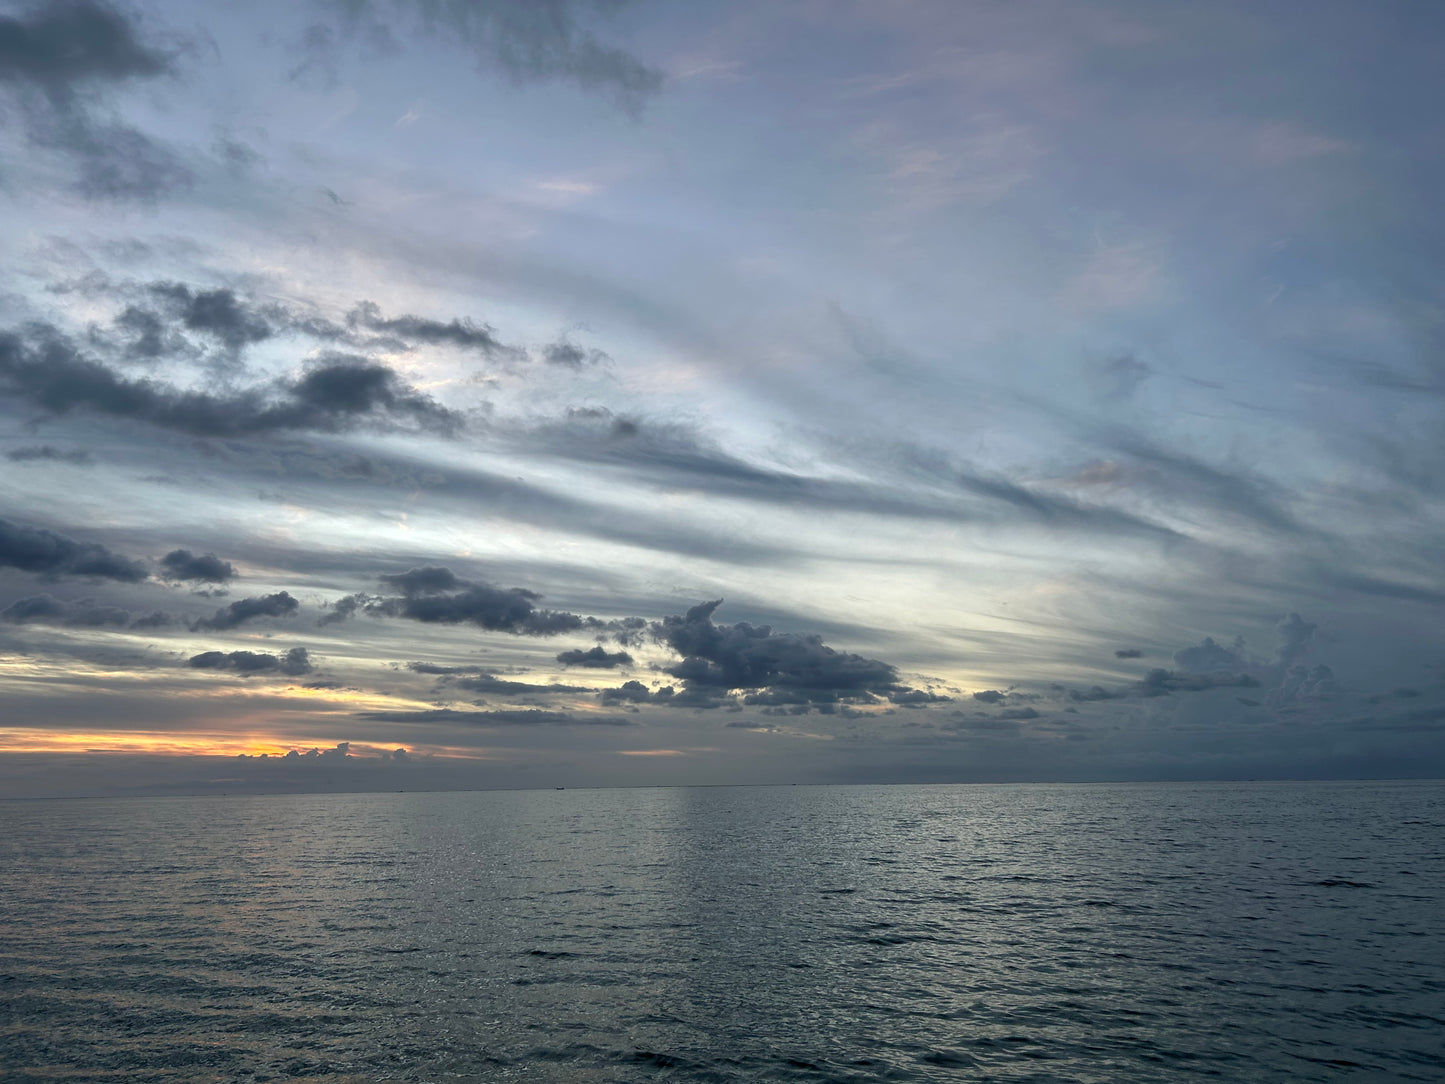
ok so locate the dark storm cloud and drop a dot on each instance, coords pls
(1161, 682)
(34, 549)
(490, 683)
(634, 692)
(345, 386)
(990, 696)
(419, 329)
(474, 679)
(436, 595)
(1018, 714)
(1092, 694)
(596, 657)
(44, 367)
(428, 579)
(149, 337)
(503, 717)
(499, 609)
(435, 670)
(49, 610)
(61, 46)
(55, 61)
(219, 313)
(46, 453)
(294, 663)
(527, 41)
(572, 356)
(281, 604)
(916, 698)
(1128, 653)
(770, 668)
(206, 567)
(164, 318)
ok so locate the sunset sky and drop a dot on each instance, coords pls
(394, 388)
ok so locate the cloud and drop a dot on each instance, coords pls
(597, 658)
(55, 60)
(1128, 653)
(340, 751)
(163, 318)
(634, 692)
(34, 549)
(418, 329)
(1018, 714)
(1210, 665)
(1207, 656)
(509, 609)
(115, 161)
(49, 610)
(571, 356)
(337, 392)
(436, 595)
(421, 581)
(503, 717)
(206, 568)
(218, 313)
(677, 456)
(46, 453)
(990, 696)
(294, 663)
(1295, 635)
(769, 668)
(281, 604)
(85, 613)
(1092, 694)
(61, 46)
(490, 683)
(1304, 683)
(1177, 475)
(1162, 682)
(527, 41)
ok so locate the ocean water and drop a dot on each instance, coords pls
(1246, 932)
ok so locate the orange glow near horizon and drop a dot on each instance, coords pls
(20, 740)
(193, 744)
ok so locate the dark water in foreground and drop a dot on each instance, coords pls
(1285, 932)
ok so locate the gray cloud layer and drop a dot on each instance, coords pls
(293, 663)
(56, 59)
(527, 41)
(44, 367)
(205, 568)
(34, 549)
(772, 669)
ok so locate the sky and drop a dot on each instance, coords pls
(408, 394)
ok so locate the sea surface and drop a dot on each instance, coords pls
(1169, 932)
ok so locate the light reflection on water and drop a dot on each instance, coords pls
(1042, 933)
